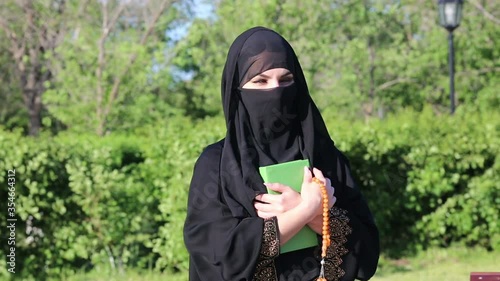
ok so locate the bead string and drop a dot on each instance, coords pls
(326, 231)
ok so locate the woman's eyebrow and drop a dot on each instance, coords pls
(268, 77)
(263, 76)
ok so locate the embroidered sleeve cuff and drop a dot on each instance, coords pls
(270, 239)
(270, 249)
(339, 230)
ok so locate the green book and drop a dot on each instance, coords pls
(291, 174)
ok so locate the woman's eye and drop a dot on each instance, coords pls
(259, 81)
(286, 80)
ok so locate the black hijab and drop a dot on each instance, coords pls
(278, 125)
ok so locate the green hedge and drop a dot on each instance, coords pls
(120, 201)
(116, 201)
(430, 180)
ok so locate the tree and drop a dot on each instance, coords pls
(12, 110)
(34, 29)
(361, 58)
(115, 57)
(78, 59)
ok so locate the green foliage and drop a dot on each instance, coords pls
(430, 180)
(360, 58)
(119, 202)
(12, 111)
(119, 84)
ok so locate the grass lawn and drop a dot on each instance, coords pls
(454, 264)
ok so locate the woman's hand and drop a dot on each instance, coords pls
(270, 205)
(329, 188)
(311, 193)
(316, 223)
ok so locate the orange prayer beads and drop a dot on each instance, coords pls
(325, 230)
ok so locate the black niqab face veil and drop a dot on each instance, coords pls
(265, 126)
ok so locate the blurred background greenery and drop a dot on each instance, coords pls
(106, 104)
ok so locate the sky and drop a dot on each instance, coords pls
(202, 9)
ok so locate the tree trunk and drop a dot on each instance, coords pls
(32, 80)
(30, 40)
(33, 102)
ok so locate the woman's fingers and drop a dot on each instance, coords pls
(264, 207)
(332, 202)
(307, 175)
(259, 197)
(329, 187)
(328, 184)
(310, 193)
(275, 204)
(319, 175)
(265, 198)
(269, 198)
(276, 198)
(278, 187)
(268, 210)
(264, 215)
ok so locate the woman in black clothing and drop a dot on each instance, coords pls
(234, 229)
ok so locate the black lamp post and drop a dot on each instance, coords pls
(450, 14)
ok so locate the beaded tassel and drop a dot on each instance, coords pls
(326, 233)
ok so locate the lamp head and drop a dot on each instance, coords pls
(450, 13)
